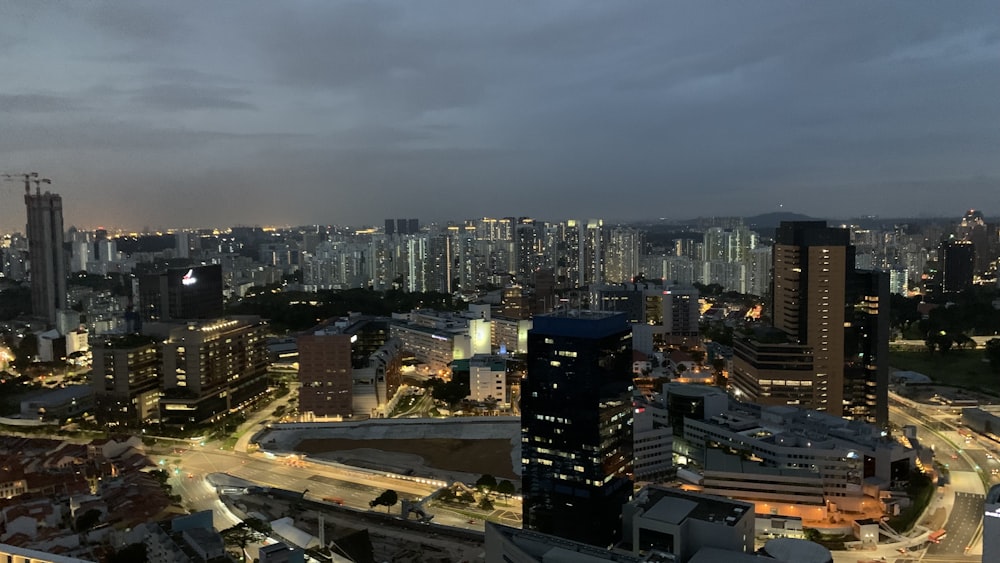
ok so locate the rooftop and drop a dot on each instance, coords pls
(675, 505)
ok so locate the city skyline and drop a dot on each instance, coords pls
(189, 115)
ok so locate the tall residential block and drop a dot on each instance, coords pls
(576, 426)
(45, 252)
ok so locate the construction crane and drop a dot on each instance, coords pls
(38, 184)
(28, 178)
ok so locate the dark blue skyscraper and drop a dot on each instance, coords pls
(576, 425)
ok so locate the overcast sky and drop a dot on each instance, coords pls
(218, 113)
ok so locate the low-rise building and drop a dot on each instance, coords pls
(681, 523)
(59, 404)
(775, 455)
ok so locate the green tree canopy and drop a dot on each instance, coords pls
(993, 353)
(487, 482)
(505, 488)
(87, 520)
(388, 499)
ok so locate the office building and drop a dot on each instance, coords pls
(325, 373)
(866, 348)
(181, 294)
(829, 347)
(576, 425)
(349, 367)
(45, 253)
(210, 368)
(789, 461)
(957, 265)
(125, 379)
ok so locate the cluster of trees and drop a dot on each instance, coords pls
(489, 484)
(452, 392)
(970, 312)
(250, 530)
(277, 306)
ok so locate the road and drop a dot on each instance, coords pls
(965, 460)
(963, 525)
(353, 487)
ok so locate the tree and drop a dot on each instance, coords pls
(964, 341)
(132, 553)
(505, 488)
(258, 525)
(451, 392)
(485, 504)
(486, 483)
(88, 520)
(993, 353)
(240, 535)
(388, 499)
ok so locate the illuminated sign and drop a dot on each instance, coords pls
(189, 278)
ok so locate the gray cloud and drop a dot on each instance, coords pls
(179, 96)
(350, 112)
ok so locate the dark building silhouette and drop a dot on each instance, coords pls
(576, 426)
(957, 264)
(45, 251)
(402, 226)
(866, 348)
(186, 293)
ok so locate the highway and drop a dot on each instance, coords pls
(969, 464)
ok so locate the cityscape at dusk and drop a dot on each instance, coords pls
(443, 282)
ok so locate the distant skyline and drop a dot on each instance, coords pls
(191, 114)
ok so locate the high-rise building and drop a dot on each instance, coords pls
(45, 252)
(957, 265)
(178, 294)
(576, 429)
(866, 348)
(830, 350)
(974, 229)
(325, 373)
